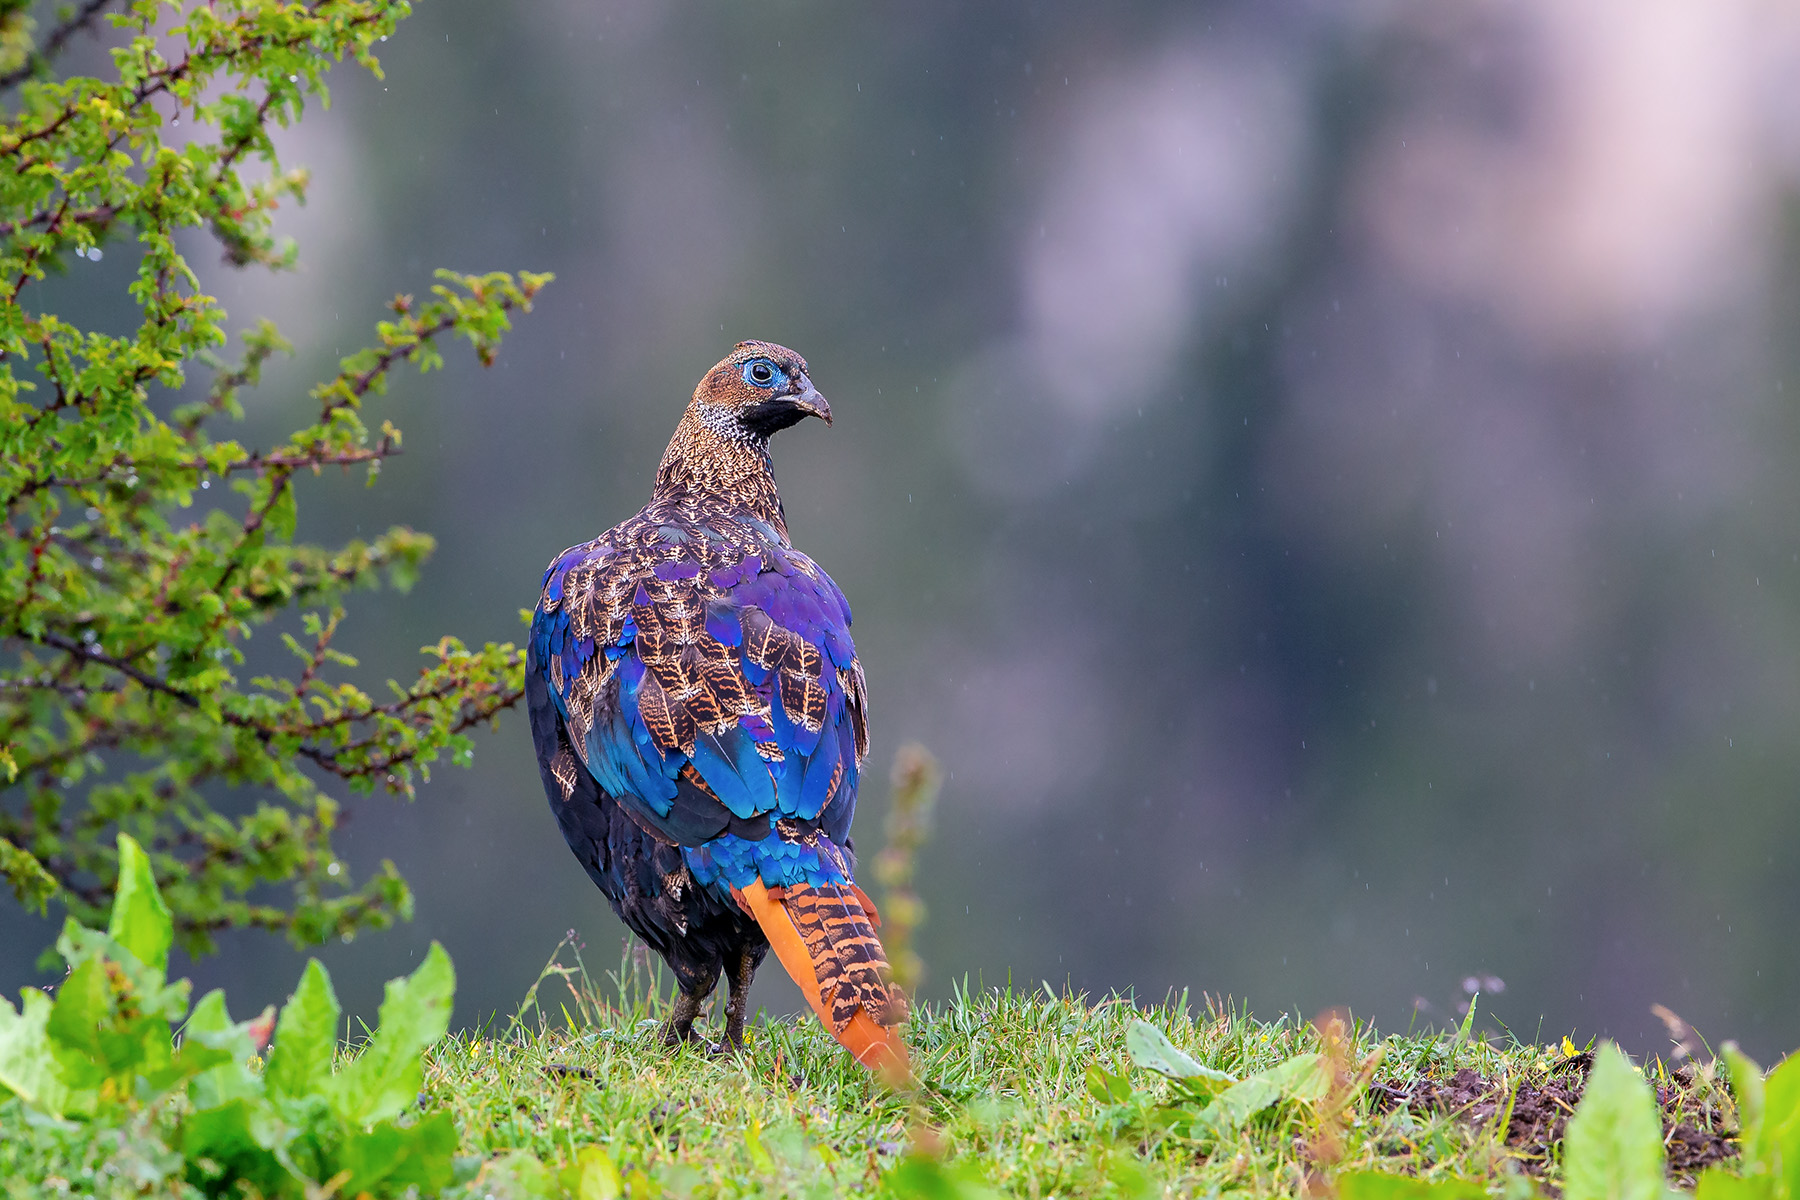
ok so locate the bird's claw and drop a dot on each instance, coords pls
(671, 1037)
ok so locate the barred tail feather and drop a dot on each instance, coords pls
(824, 937)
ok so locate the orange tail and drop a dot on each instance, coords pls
(824, 937)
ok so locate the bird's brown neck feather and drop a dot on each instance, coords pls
(707, 467)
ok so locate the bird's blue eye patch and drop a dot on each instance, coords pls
(760, 372)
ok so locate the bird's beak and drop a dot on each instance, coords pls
(812, 403)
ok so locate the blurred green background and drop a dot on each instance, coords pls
(1320, 476)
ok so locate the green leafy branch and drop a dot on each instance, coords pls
(143, 550)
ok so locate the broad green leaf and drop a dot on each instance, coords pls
(1106, 1087)
(1747, 1087)
(415, 1012)
(210, 1018)
(1769, 1120)
(77, 943)
(1236, 1105)
(920, 1177)
(1302, 1077)
(427, 1157)
(1151, 1049)
(78, 1021)
(1776, 1146)
(387, 1158)
(103, 1032)
(140, 920)
(210, 1029)
(1613, 1147)
(516, 1176)
(239, 1140)
(675, 1179)
(760, 1158)
(1373, 1185)
(1717, 1183)
(163, 1068)
(305, 1036)
(593, 1175)
(27, 1066)
(146, 985)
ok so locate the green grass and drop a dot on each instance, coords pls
(1021, 1092)
(1008, 1101)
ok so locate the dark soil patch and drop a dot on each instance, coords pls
(1694, 1129)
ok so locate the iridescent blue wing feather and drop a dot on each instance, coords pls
(713, 699)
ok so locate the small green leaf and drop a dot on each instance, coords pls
(1302, 1077)
(516, 1176)
(920, 1177)
(283, 513)
(1374, 1185)
(1106, 1087)
(1151, 1049)
(1236, 1105)
(305, 1036)
(593, 1175)
(140, 920)
(1468, 1024)
(1613, 1147)
(759, 1154)
(31, 884)
(210, 1017)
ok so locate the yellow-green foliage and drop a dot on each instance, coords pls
(141, 548)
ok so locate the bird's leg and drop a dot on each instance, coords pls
(680, 1026)
(738, 980)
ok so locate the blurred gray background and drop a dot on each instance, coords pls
(1320, 476)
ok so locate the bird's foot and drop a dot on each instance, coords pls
(680, 1026)
(674, 1034)
(724, 1049)
(729, 1048)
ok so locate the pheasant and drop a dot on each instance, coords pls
(700, 721)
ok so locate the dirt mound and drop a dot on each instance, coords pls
(1694, 1129)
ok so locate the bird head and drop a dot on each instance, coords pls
(757, 389)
